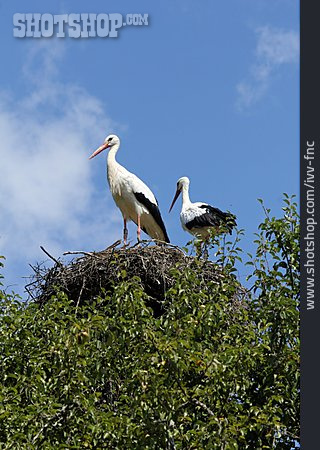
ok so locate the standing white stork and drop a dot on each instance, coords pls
(198, 218)
(134, 199)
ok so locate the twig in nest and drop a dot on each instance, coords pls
(28, 290)
(79, 252)
(51, 257)
(115, 244)
(157, 241)
(127, 245)
(107, 250)
(33, 268)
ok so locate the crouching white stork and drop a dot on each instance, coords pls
(134, 199)
(199, 218)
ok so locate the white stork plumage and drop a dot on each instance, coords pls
(134, 199)
(198, 218)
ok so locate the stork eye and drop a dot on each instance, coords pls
(110, 139)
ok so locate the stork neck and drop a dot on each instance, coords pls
(112, 154)
(185, 196)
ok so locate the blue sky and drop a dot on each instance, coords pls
(208, 89)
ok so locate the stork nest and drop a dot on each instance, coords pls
(87, 276)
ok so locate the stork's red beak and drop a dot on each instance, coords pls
(99, 150)
(178, 192)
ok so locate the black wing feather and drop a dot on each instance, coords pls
(212, 217)
(154, 211)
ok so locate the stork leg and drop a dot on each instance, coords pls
(125, 232)
(139, 229)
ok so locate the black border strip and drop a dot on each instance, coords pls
(310, 222)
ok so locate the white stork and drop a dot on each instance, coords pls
(198, 218)
(134, 199)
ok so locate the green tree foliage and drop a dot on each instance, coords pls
(211, 372)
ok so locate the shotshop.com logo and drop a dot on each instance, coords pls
(86, 25)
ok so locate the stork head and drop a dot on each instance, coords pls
(181, 183)
(110, 141)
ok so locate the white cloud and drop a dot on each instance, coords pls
(274, 48)
(47, 192)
